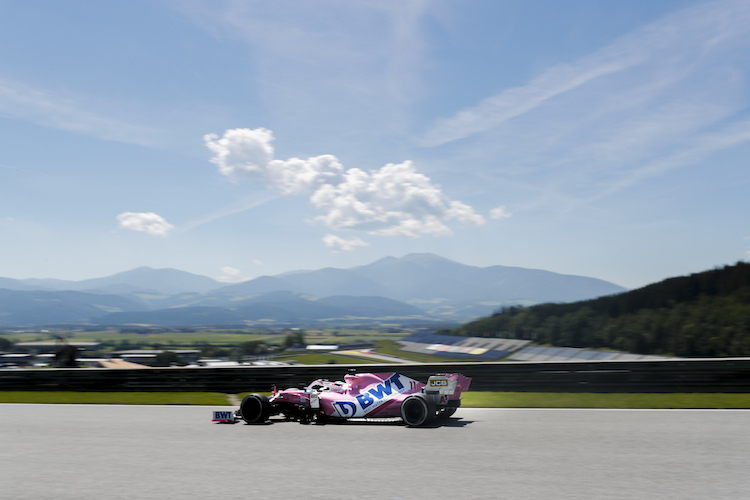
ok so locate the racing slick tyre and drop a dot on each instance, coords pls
(255, 409)
(417, 410)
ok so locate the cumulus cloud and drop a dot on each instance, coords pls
(145, 222)
(500, 213)
(248, 153)
(395, 200)
(339, 244)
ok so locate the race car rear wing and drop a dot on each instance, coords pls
(448, 384)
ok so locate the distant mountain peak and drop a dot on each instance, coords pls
(424, 256)
(411, 258)
(135, 271)
(384, 260)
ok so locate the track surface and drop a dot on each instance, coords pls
(123, 452)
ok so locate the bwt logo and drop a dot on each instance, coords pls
(346, 408)
(378, 394)
(222, 415)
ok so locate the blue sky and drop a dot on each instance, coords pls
(235, 139)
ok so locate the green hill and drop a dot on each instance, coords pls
(704, 314)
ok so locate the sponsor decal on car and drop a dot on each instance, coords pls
(223, 416)
(364, 403)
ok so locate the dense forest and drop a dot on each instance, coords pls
(704, 314)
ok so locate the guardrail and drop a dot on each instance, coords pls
(698, 375)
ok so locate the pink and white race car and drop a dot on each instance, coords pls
(360, 395)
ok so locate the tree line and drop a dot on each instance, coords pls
(704, 314)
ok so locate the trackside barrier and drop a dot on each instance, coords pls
(694, 375)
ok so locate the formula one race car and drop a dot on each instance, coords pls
(360, 395)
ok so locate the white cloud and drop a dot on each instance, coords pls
(245, 152)
(500, 213)
(242, 151)
(230, 275)
(145, 222)
(395, 200)
(230, 271)
(339, 244)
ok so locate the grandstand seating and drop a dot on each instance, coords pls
(493, 349)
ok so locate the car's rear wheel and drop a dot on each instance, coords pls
(447, 412)
(255, 409)
(417, 410)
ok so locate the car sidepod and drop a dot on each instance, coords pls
(369, 395)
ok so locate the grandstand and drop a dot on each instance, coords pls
(478, 348)
(492, 349)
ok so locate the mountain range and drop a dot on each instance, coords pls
(416, 287)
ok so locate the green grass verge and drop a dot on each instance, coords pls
(469, 399)
(610, 400)
(120, 398)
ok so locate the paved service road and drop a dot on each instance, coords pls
(85, 452)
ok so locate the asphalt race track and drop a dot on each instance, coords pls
(139, 452)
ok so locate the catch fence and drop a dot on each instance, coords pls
(691, 375)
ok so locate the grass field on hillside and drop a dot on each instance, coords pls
(191, 339)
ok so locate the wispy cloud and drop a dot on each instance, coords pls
(671, 49)
(495, 110)
(242, 205)
(333, 62)
(20, 101)
(708, 143)
(666, 95)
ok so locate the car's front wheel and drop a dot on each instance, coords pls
(255, 409)
(417, 410)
